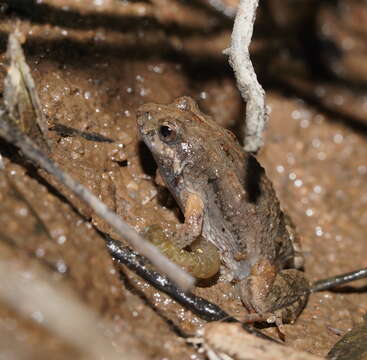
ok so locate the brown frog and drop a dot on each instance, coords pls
(227, 199)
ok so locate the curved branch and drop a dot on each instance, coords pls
(251, 90)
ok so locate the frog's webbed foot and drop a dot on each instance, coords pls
(274, 297)
(188, 232)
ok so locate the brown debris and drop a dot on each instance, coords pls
(20, 94)
(229, 341)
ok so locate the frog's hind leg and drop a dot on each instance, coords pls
(275, 297)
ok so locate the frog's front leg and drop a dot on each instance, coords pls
(275, 296)
(194, 215)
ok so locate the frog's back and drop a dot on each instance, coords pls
(243, 216)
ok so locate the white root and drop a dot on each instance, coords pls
(251, 90)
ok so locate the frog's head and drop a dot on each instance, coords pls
(169, 132)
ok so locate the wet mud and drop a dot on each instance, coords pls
(93, 65)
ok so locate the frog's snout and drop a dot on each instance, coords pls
(143, 118)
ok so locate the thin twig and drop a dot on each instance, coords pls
(64, 131)
(332, 282)
(20, 96)
(251, 90)
(199, 306)
(30, 150)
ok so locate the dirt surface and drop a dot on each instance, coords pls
(93, 65)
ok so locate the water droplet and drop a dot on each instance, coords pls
(61, 239)
(37, 316)
(40, 252)
(318, 231)
(309, 212)
(203, 95)
(280, 169)
(23, 211)
(304, 123)
(144, 91)
(87, 95)
(338, 138)
(316, 143)
(298, 183)
(296, 114)
(61, 267)
(292, 176)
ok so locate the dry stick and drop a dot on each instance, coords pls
(251, 90)
(30, 150)
(18, 81)
(30, 292)
(227, 341)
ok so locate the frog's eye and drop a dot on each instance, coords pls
(167, 133)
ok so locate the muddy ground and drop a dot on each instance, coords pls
(94, 63)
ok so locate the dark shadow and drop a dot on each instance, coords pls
(254, 172)
(149, 167)
(312, 47)
(79, 54)
(47, 14)
(146, 160)
(3, 42)
(318, 51)
(204, 283)
(122, 163)
(83, 55)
